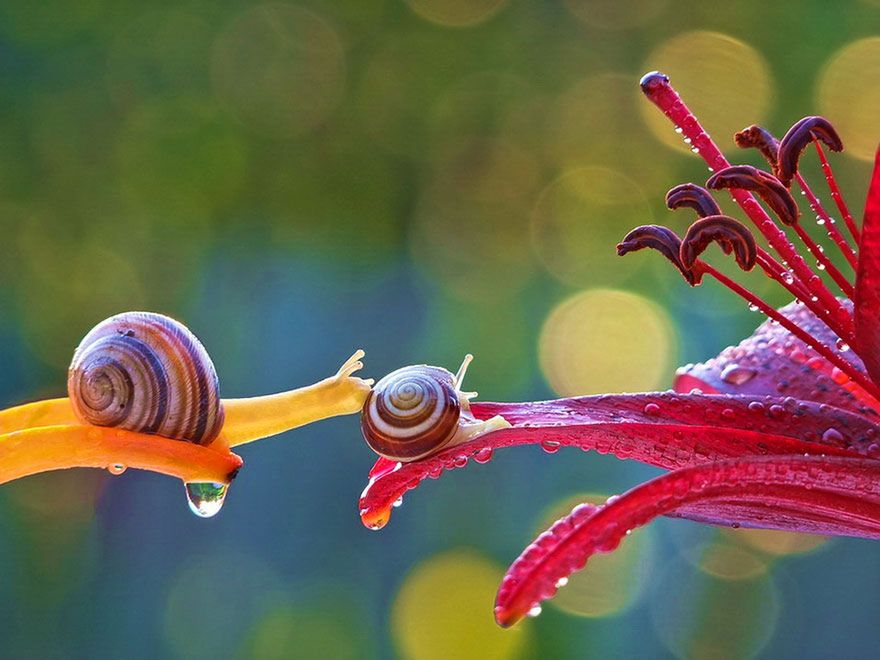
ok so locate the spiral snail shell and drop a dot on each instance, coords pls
(148, 373)
(411, 413)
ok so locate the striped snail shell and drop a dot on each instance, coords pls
(411, 413)
(148, 373)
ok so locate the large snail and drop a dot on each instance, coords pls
(138, 385)
(146, 372)
(418, 411)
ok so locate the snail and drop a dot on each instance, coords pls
(146, 372)
(417, 411)
(143, 392)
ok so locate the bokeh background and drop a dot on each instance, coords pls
(420, 178)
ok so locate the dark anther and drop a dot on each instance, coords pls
(725, 231)
(764, 184)
(796, 140)
(662, 239)
(692, 196)
(758, 137)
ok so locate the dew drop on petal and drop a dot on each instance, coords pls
(398, 502)
(737, 375)
(561, 582)
(116, 469)
(842, 346)
(206, 498)
(535, 611)
(652, 409)
(832, 435)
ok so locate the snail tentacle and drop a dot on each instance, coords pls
(263, 416)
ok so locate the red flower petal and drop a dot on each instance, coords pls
(867, 298)
(772, 361)
(663, 429)
(841, 495)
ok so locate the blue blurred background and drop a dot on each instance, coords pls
(420, 178)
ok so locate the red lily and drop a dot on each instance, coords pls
(779, 432)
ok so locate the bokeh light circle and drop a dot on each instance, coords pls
(610, 583)
(701, 616)
(776, 542)
(280, 69)
(444, 610)
(849, 95)
(456, 13)
(724, 81)
(580, 217)
(606, 340)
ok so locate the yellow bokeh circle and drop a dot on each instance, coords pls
(605, 340)
(444, 610)
(579, 219)
(776, 542)
(611, 582)
(849, 95)
(723, 80)
(456, 13)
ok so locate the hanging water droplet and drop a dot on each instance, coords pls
(561, 582)
(753, 307)
(116, 469)
(687, 140)
(398, 502)
(820, 220)
(679, 129)
(737, 375)
(484, 455)
(535, 611)
(842, 346)
(550, 446)
(206, 498)
(820, 265)
(696, 150)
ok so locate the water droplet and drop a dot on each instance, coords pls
(561, 582)
(461, 461)
(398, 502)
(535, 611)
(484, 455)
(756, 406)
(832, 435)
(652, 409)
(753, 307)
(679, 129)
(842, 346)
(550, 446)
(728, 414)
(788, 277)
(116, 469)
(737, 375)
(820, 265)
(206, 498)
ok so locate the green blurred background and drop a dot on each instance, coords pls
(420, 178)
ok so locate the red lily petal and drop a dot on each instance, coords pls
(773, 361)
(867, 298)
(843, 490)
(663, 429)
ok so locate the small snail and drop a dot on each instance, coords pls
(148, 373)
(417, 411)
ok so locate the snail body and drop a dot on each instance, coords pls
(417, 411)
(146, 372)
